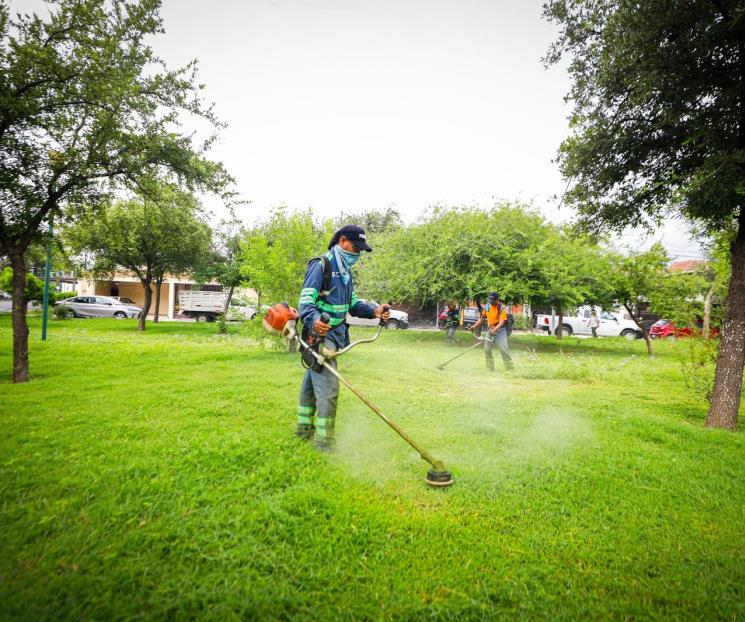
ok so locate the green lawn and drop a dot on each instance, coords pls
(156, 476)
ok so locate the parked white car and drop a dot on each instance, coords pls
(399, 319)
(610, 325)
(100, 306)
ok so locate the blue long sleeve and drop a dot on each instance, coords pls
(361, 308)
(312, 284)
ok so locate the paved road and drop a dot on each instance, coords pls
(6, 306)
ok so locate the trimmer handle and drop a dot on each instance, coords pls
(315, 337)
(325, 319)
(386, 308)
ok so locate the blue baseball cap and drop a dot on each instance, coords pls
(356, 235)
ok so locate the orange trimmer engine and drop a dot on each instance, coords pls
(280, 320)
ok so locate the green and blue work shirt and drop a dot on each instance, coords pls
(339, 299)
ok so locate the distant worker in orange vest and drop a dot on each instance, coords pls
(495, 314)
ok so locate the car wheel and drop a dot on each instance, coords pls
(120, 315)
(629, 334)
(393, 325)
(565, 330)
(202, 318)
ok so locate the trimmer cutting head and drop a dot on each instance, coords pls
(439, 479)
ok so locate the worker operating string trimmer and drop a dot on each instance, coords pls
(326, 297)
(499, 326)
(328, 288)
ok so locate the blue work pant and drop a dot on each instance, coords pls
(500, 341)
(319, 394)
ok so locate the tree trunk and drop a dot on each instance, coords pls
(20, 327)
(227, 301)
(146, 306)
(559, 327)
(707, 312)
(158, 283)
(640, 323)
(645, 334)
(725, 399)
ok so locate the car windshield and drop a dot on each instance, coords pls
(661, 323)
(126, 300)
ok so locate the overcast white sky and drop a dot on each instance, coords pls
(362, 104)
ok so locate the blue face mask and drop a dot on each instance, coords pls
(349, 258)
(345, 260)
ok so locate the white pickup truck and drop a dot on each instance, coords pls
(206, 306)
(579, 324)
(399, 319)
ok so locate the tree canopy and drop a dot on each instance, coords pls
(657, 109)
(86, 107)
(274, 254)
(461, 254)
(658, 128)
(457, 254)
(147, 237)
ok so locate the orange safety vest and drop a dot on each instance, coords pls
(494, 315)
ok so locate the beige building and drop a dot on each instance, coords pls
(124, 284)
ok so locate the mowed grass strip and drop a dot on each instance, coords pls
(156, 476)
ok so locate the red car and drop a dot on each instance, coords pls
(665, 328)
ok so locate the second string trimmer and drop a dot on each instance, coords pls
(480, 341)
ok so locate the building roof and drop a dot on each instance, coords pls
(687, 265)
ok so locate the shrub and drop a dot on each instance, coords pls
(698, 365)
(222, 325)
(522, 322)
(34, 286)
(57, 296)
(61, 312)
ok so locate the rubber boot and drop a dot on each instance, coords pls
(305, 431)
(324, 445)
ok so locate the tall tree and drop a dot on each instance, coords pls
(374, 222)
(223, 264)
(148, 237)
(86, 107)
(458, 254)
(573, 271)
(658, 124)
(634, 276)
(275, 254)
